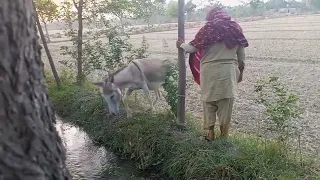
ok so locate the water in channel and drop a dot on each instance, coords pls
(87, 161)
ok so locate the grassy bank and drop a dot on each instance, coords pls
(154, 141)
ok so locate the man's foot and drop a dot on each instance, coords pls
(223, 133)
(210, 136)
(208, 139)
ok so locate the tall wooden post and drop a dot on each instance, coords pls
(182, 66)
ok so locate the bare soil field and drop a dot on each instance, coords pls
(287, 47)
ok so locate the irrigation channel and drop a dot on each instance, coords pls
(88, 161)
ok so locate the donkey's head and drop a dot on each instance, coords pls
(111, 94)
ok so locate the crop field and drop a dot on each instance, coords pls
(289, 47)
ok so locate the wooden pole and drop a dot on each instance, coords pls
(182, 66)
(45, 45)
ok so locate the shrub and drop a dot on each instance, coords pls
(141, 52)
(171, 87)
(281, 106)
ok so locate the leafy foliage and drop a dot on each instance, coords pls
(282, 106)
(276, 4)
(141, 52)
(254, 4)
(67, 14)
(172, 9)
(96, 53)
(121, 9)
(171, 87)
(47, 11)
(100, 55)
(190, 7)
(144, 9)
(316, 3)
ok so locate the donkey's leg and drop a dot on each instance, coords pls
(147, 95)
(156, 91)
(125, 102)
(123, 91)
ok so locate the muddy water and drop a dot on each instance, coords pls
(86, 160)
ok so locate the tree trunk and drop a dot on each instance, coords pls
(30, 147)
(47, 33)
(53, 68)
(80, 76)
(122, 25)
(148, 23)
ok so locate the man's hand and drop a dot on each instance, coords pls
(241, 68)
(240, 77)
(179, 42)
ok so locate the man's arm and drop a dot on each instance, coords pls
(241, 61)
(188, 48)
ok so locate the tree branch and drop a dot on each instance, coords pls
(75, 4)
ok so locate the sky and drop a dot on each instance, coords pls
(225, 2)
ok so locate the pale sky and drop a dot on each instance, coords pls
(231, 2)
(225, 2)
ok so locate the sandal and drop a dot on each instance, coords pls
(207, 138)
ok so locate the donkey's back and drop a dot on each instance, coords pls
(153, 69)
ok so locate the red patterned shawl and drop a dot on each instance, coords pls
(219, 27)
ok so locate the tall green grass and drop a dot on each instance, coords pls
(154, 141)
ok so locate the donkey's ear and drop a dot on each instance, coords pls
(100, 84)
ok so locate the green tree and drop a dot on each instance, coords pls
(119, 8)
(45, 45)
(47, 11)
(172, 9)
(144, 9)
(256, 6)
(276, 4)
(95, 54)
(69, 16)
(190, 7)
(315, 3)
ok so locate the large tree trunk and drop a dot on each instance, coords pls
(30, 147)
(44, 42)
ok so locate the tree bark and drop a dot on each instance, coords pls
(80, 75)
(44, 42)
(148, 23)
(30, 147)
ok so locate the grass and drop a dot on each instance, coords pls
(154, 141)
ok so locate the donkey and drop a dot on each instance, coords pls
(146, 74)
